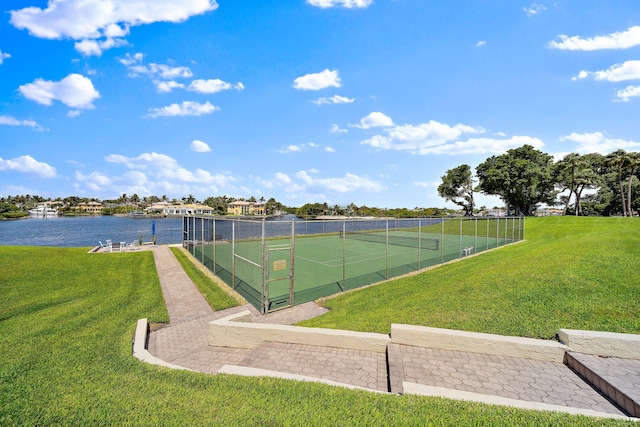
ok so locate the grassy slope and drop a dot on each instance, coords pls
(579, 273)
(66, 322)
(217, 298)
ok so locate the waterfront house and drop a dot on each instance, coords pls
(242, 207)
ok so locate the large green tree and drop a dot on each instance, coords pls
(577, 173)
(457, 187)
(522, 178)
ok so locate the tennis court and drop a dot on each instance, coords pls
(277, 264)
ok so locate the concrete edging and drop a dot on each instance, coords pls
(140, 344)
(624, 346)
(257, 372)
(425, 390)
(230, 331)
(476, 342)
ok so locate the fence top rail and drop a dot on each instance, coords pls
(349, 219)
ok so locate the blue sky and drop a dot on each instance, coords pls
(337, 101)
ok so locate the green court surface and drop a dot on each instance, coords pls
(293, 272)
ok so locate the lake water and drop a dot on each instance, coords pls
(87, 231)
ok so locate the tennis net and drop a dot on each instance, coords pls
(381, 237)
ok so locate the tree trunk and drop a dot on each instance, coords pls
(579, 201)
(621, 183)
(566, 205)
(633, 170)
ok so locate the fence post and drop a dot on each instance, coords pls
(460, 241)
(214, 245)
(344, 255)
(386, 254)
(442, 242)
(233, 255)
(265, 292)
(202, 248)
(419, 240)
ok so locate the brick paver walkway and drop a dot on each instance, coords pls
(514, 378)
(184, 342)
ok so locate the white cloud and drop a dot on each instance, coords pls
(130, 60)
(481, 146)
(187, 108)
(162, 74)
(317, 81)
(335, 99)
(95, 19)
(298, 148)
(213, 86)
(199, 146)
(28, 165)
(291, 149)
(534, 9)
(3, 56)
(629, 70)
(12, 121)
(581, 75)
(75, 91)
(628, 93)
(329, 150)
(153, 173)
(348, 183)
(423, 184)
(374, 119)
(481, 43)
(95, 181)
(167, 173)
(349, 4)
(167, 86)
(596, 142)
(438, 138)
(73, 113)
(304, 185)
(90, 47)
(620, 40)
(336, 129)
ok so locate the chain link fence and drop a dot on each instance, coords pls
(275, 264)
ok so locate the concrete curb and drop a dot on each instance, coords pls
(256, 372)
(230, 332)
(624, 346)
(475, 342)
(140, 343)
(424, 390)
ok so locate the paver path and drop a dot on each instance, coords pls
(184, 342)
(182, 298)
(514, 378)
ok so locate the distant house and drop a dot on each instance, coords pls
(167, 208)
(549, 212)
(90, 207)
(242, 207)
(496, 212)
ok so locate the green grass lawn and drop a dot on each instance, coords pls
(217, 298)
(577, 273)
(67, 319)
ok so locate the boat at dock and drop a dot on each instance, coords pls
(43, 212)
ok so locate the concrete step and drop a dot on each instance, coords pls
(616, 378)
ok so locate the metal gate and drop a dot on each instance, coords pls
(279, 280)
